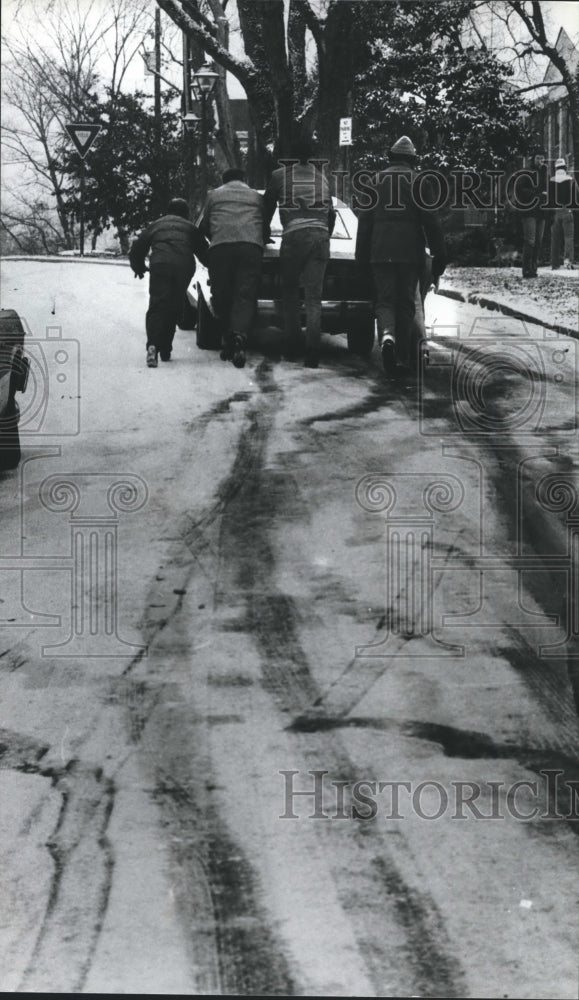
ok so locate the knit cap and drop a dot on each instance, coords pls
(404, 147)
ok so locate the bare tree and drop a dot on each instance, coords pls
(50, 73)
(29, 227)
(287, 93)
(530, 40)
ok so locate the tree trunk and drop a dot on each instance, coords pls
(336, 78)
(123, 238)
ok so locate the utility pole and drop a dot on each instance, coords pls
(158, 75)
(159, 183)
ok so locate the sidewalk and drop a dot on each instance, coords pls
(551, 299)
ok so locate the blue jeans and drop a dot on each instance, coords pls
(562, 231)
(304, 256)
(533, 229)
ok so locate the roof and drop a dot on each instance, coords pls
(570, 53)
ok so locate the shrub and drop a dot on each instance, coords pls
(469, 247)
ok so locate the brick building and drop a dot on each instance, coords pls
(551, 120)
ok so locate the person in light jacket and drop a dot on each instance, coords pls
(563, 201)
(233, 221)
(172, 242)
(307, 215)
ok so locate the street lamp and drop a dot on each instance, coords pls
(202, 84)
(191, 122)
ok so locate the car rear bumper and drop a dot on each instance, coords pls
(337, 317)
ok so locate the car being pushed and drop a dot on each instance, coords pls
(14, 369)
(347, 305)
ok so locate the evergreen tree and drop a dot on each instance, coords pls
(455, 101)
(134, 167)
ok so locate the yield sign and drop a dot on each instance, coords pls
(83, 135)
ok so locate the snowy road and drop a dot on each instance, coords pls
(222, 589)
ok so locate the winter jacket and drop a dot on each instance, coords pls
(169, 240)
(304, 198)
(234, 213)
(563, 191)
(530, 187)
(398, 229)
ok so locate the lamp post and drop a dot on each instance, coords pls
(202, 84)
(191, 123)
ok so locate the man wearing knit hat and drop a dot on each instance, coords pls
(392, 238)
(564, 201)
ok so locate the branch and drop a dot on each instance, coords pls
(12, 234)
(478, 34)
(191, 7)
(313, 23)
(163, 78)
(538, 86)
(240, 68)
(536, 28)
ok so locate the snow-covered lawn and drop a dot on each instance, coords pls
(552, 297)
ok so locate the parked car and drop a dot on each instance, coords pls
(347, 296)
(14, 369)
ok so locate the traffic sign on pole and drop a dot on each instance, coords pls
(83, 134)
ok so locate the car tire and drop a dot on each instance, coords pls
(188, 317)
(361, 338)
(20, 372)
(208, 332)
(10, 453)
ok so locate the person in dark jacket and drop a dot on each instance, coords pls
(173, 242)
(563, 201)
(233, 220)
(392, 238)
(307, 216)
(532, 200)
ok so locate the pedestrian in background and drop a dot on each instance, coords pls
(563, 201)
(233, 221)
(307, 216)
(392, 238)
(173, 243)
(532, 197)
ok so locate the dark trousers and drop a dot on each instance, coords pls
(167, 289)
(418, 333)
(304, 256)
(395, 303)
(234, 273)
(533, 229)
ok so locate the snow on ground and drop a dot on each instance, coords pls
(552, 297)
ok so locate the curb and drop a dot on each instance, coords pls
(481, 300)
(68, 260)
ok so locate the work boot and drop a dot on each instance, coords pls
(165, 355)
(388, 352)
(151, 356)
(293, 350)
(312, 359)
(226, 352)
(238, 352)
